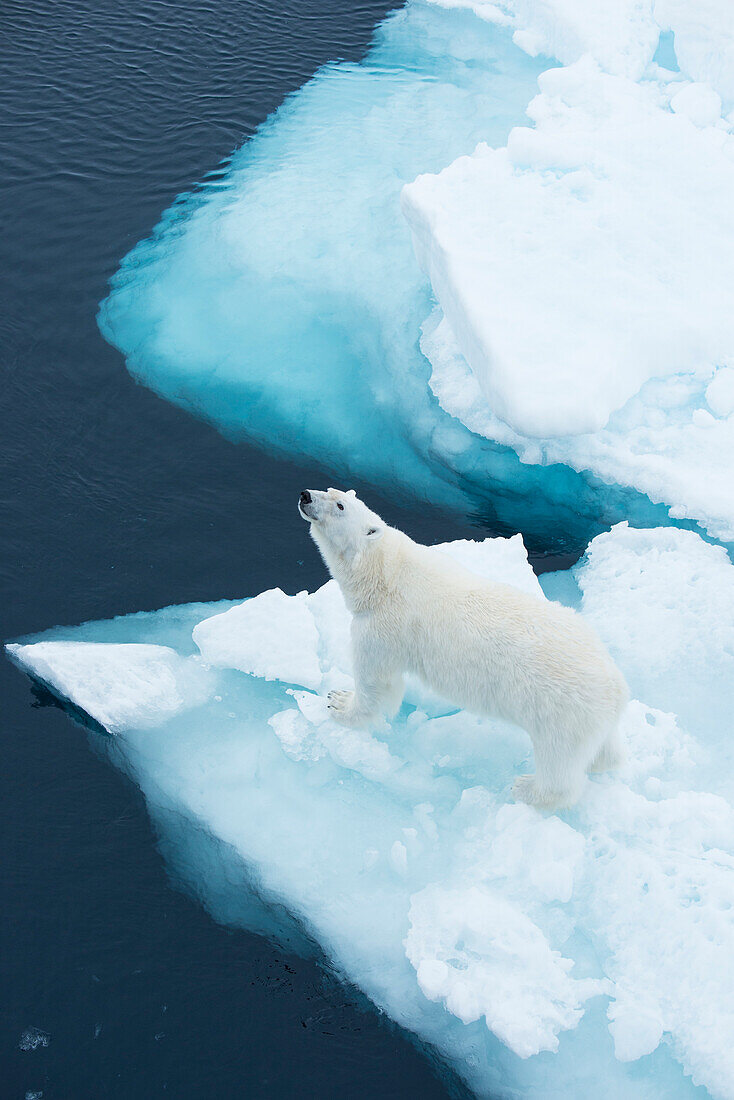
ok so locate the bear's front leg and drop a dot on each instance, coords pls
(366, 706)
(378, 684)
(343, 708)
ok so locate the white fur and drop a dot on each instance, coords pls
(487, 647)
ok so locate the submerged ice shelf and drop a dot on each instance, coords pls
(541, 955)
(283, 301)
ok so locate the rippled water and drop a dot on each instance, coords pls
(114, 501)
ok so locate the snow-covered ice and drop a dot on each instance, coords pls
(674, 439)
(120, 684)
(623, 35)
(589, 255)
(664, 604)
(541, 955)
(584, 272)
(704, 41)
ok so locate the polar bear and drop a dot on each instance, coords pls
(486, 647)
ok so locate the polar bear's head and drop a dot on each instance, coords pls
(341, 525)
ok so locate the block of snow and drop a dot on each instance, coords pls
(507, 562)
(610, 201)
(704, 41)
(482, 957)
(669, 441)
(622, 35)
(663, 601)
(720, 392)
(272, 635)
(699, 103)
(541, 253)
(119, 685)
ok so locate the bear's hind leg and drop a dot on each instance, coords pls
(560, 773)
(611, 755)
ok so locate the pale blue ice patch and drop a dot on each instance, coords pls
(665, 55)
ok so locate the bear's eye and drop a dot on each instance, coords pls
(340, 506)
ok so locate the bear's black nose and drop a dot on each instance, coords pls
(305, 497)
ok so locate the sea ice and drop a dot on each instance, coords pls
(33, 1038)
(663, 601)
(704, 41)
(283, 301)
(608, 225)
(674, 439)
(121, 684)
(541, 955)
(621, 34)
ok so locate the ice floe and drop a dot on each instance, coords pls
(584, 269)
(589, 255)
(623, 35)
(283, 301)
(540, 955)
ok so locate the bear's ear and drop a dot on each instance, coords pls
(374, 533)
(351, 493)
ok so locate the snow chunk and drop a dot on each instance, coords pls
(622, 36)
(567, 225)
(720, 392)
(507, 562)
(704, 40)
(699, 103)
(120, 686)
(272, 635)
(309, 734)
(636, 1029)
(663, 602)
(483, 957)
(550, 857)
(664, 442)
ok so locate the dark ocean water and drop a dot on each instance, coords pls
(114, 501)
